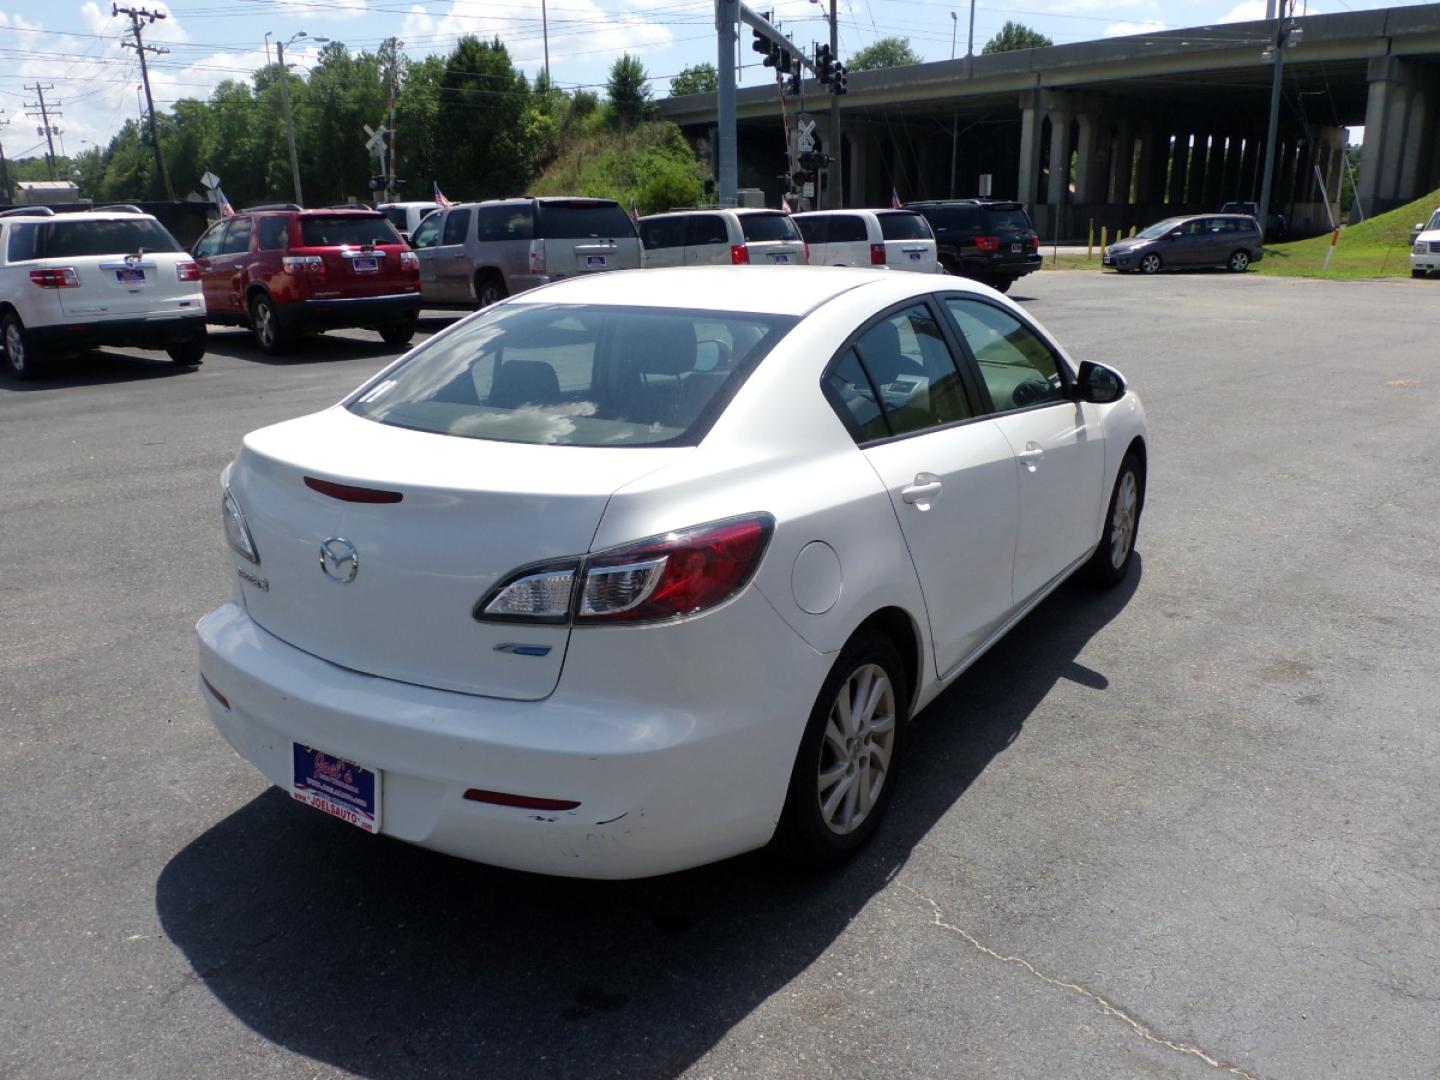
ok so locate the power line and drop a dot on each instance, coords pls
(136, 14)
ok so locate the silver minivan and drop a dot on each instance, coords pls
(474, 254)
(722, 237)
(899, 239)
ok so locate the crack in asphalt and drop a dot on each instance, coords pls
(1105, 1006)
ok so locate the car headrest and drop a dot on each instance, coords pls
(880, 350)
(524, 382)
(657, 346)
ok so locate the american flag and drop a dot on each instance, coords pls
(894, 199)
(634, 213)
(440, 199)
(222, 204)
(784, 204)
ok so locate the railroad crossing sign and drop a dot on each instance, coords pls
(210, 180)
(376, 143)
(805, 129)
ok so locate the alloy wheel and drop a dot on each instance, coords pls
(15, 347)
(1150, 264)
(1122, 527)
(855, 749)
(1239, 262)
(264, 319)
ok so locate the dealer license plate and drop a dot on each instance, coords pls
(914, 256)
(1014, 249)
(778, 259)
(339, 787)
(365, 265)
(596, 262)
(129, 277)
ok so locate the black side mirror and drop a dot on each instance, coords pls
(1174, 234)
(1100, 384)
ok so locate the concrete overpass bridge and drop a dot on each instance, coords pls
(1123, 131)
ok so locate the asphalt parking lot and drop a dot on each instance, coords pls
(1186, 828)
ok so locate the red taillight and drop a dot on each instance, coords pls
(537, 256)
(988, 244)
(188, 271)
(409, 261)
(1035, 242)
(739, 255)
(877, 254)
(56, 278)
(350, 493)
(302, 264)
(807, 251)
(524, 802)
(678, 574)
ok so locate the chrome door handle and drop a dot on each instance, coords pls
(1031, 455)
(925, 488)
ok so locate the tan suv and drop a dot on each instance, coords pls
(473, 254)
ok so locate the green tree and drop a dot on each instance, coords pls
(481, 115)
(629, 90)
(343, 95)
(1013, 36)
(417, 112)
(695, 79)
(890, 52)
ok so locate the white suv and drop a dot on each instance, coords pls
(899, 239)
(109, 277)
(722, 237)
(1425, 250)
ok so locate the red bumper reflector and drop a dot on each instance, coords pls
(348, 493)
(216, 694)
(524, 802)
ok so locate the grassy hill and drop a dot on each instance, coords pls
(650, 167)
(1379, 247)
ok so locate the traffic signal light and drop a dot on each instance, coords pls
(792, 87)
(824, 64)
(379, 183)
(841, 76)
(762, 45)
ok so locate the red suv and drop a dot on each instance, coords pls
(283, 271)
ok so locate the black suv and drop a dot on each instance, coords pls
(989, 240)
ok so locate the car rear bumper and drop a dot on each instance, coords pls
(154, 333)
(340, 312)
(661, 787)
(998, 266)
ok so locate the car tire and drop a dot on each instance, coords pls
(1150, 264)
(489, 289)
(1417, 273)
(1111, 561)
(398, 333)
(270, 334)
(22, 359)
(1238, 262)
(835, 768)
(1001, 285)
(189, 353)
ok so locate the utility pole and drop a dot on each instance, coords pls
(136, 14)
(1282, 33)
(727, 22)
(41, 112)
(289, 120)
(391, 193)
(4, 170)
(835, 190)
(545, 33)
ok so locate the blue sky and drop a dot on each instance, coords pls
(75, 45)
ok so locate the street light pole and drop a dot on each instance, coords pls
(289, 116)
(1272, 131)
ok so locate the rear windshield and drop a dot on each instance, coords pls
(396, 215)
(350, 229)
(811, 228)
(1007, 220)
(903, 226)
(575, 375)
(968, 219)
(761, 227)
(582, 221)
(75, 239)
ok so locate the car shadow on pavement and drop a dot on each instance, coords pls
(99, 368)
(314, 349)
(390, 961)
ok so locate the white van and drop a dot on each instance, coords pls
(406, 216)
(722, 237)
(899, 239)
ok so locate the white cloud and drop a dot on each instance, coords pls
(1248, 11)
(332, 9)
(1121, 29)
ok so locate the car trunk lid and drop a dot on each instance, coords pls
(426, 554)
(772, 239)
(360, 254)
(584, 236)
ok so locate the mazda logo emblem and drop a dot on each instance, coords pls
(339, 560)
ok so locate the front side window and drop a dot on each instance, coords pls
(902, 367)
(762, 227)
(457, 225)
(209, 244)
(237, 239)
(427, 232)
(1018, 368)
(576, 375)
(664, 232)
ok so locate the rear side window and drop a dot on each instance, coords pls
(237, 240)
(706, 229)
(75, 239)
(1007, 220)
(910, 366)
(508, 222)
(662, 233)
(24, 242)
(903, 226)
(274, 231)
(812, 229)
(576, 375)
(762, 227)
(847, 229)
(394, 214)
(581, 221)
(457, 226)
(351, 229)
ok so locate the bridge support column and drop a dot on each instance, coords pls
(1028, 184)
(1058, 183)
(1122, 164)
(1399, 135)
(1195, 187)
(1215, 173)
(1179, 169)
(1091, 158)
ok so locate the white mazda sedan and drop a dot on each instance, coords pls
(640, 571)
